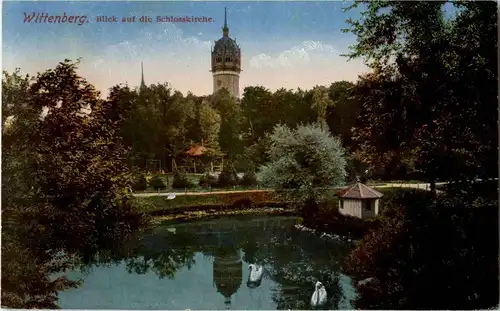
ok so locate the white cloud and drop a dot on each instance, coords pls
(169, 38)
(148, 41)
(299, 54)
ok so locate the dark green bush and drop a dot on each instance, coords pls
(242, 204)
(207, 181)
(227, 177)
(327, 218)
(461, 273)
(157, 183)
(249, 179)
(181, 182)
(140, 183)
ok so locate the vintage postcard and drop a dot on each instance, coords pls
(249, 155)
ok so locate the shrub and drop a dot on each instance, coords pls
(461, 273)
(207, 181)
(245, 203)
(140, 183)
(157, 183)
(249, 179)
(302, 162)
(181, 182)
(331, 221)
(227, 178)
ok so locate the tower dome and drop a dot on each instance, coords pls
(227, 272)
(226, 46)
(226, 62)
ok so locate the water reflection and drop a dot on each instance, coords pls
(202, 265)
(228, 273)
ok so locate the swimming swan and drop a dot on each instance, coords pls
(255, 277)
(319, 296)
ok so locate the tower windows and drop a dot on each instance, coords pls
(228, 58)
(218, 58)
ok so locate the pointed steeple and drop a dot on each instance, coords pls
(143, 85)
(225, 29)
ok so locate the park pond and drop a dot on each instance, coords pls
(205, 265)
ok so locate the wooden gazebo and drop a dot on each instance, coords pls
(197, 152)
(359, 200)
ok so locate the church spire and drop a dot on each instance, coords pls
(225, 29)
(143, 85)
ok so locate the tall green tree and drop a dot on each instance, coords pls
(415, 98)
(64, 182)
(210, 123)
(303, 162)
(321, 101)
(343, 112)
(259, 113)
(230, 135)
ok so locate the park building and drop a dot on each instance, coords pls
(226, 63)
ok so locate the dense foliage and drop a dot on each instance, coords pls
(430, 103)
(303, 162)
(161, 123)
(207, 181)
(157, 182)
(181, 181)
(429, 106)
(429, 254)
(227, 177)
(64, 181)
(140, 183)
(249, 179)
(427, 109)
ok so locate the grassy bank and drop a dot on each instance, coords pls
(326, 219)
(188, 202)
(209, 213)
(155, 204)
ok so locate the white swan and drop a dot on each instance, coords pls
(255, 277)
(319, 296)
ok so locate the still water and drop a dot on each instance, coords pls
(205, 265)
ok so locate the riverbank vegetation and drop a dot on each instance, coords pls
(426, 111)
(430, 101)
(64, 181)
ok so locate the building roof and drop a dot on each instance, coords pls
(226, 46)
(199, 150)
(359, 191)
(196, 151)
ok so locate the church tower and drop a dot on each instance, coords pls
(226, 62)
(143, 85)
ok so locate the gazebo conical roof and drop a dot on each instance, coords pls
(359, 191)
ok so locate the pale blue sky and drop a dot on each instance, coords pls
(284, 44)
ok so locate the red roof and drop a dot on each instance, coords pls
(196, 151)
(359, 191)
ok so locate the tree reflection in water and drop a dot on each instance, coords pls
(292, 259)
